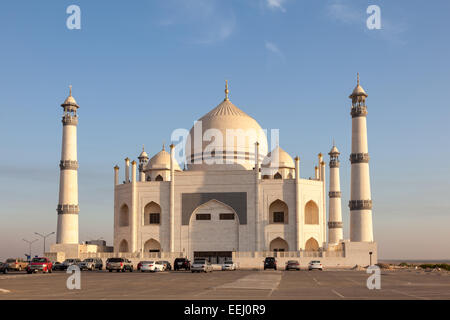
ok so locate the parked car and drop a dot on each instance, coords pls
(119, 264)
(16, 264)
(181, 263)
(292, 265)
(270, 263)
(3, 267)
(68, 262)
(91, 264)
(152, 266)
(229, 265)
(58, 266)
(315, 265)
(167, 265)
(40, 264)
(201, 265)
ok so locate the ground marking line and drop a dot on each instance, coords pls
(354, 281)
(337, 293)
(409, 295)
(318, 283)
(4, 290)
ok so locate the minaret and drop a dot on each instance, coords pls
(67, 229)
(335, 233)
(360, 199)
(143, 160)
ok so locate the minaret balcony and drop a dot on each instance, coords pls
(359, 158)
(335, 224)
(334, 194)
(359, 111)
(360, 204)
(68, 165)
(69, 120)
(68, 209)
(334, 163)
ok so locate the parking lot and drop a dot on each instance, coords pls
(343, 284)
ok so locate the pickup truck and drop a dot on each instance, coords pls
(16, 264)
(40, 264)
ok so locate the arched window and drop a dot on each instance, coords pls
(152, 213)
(159, 178)
(277, 176)
(312, 245)
(123, 247)
(278, 212)
(265, 176)
(124, 216)
(279, 244)
(311, 213)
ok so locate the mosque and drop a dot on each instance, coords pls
(234, 198)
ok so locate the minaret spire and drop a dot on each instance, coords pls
(360, 203)
(68, 209)
(226, 90)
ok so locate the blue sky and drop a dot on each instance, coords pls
(144, 68)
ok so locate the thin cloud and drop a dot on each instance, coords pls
(276, 5)
(206, 21)
(273, 48)
(345, 13)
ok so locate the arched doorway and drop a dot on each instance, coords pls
(279, 244)
(213, 231)
(124, 216)
(152, 246)
(311, 213)
(311, 245)
(123, 246)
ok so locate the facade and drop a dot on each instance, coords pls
(233, 199)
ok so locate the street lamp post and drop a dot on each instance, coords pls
(44, 237)
(30, 243)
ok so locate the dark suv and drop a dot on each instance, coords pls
(181, 263)
(270, 263)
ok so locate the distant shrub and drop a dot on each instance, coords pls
(444, 266)
(404, 264)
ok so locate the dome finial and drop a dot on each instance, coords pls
(357, 77)
(164, 146)
(226, 90)
(143, 148)
(70, 90)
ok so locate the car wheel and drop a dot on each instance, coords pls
(20, 268)
(29, 272)
(110, 270)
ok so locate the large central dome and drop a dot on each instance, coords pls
(224, 139)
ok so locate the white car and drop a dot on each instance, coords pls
(152, 266)
(229, 265)
(201, 265)
(315, 265)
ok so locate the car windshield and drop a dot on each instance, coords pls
(88, 260)
(228, 262)
(11, 260)
(292, 261)
(200, 261)
(147, 262)
(39, 260)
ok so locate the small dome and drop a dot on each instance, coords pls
(143, 154)
(281, 159)
(334, 150)
(70, 101)
(161, 161)
(358, 91)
